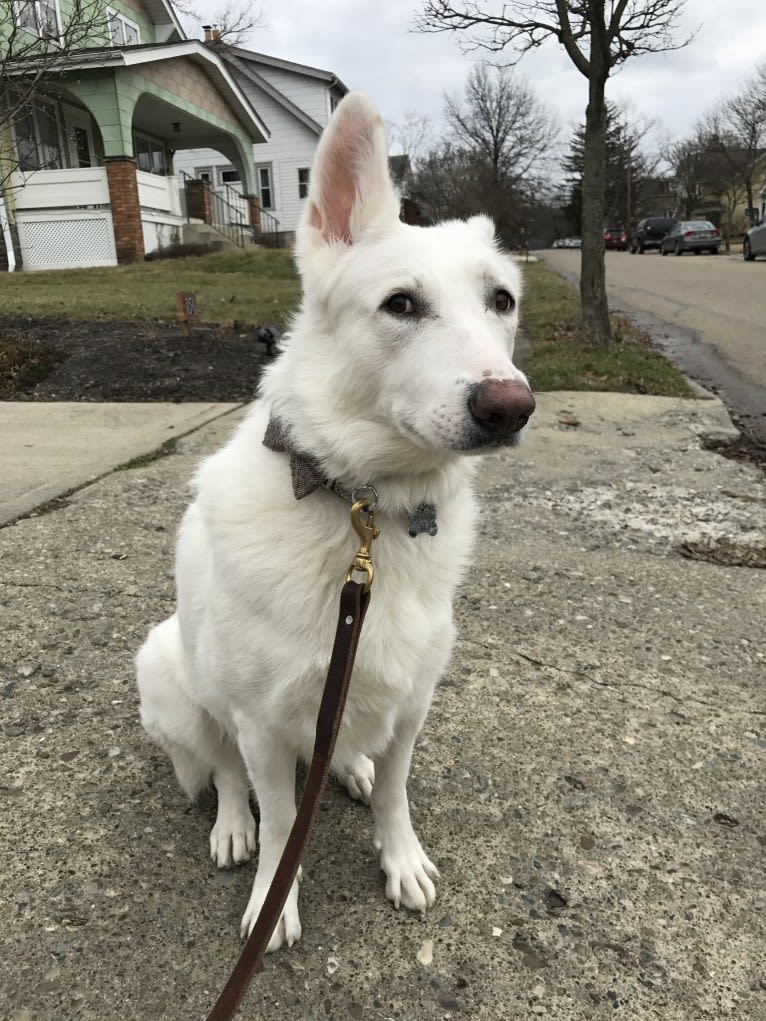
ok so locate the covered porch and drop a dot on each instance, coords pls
(93, 182)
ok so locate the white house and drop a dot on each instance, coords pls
(295, 102)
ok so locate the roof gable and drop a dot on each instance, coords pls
(253, 58)
(249, 65)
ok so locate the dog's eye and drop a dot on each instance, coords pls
(504, 302)
(400, 304)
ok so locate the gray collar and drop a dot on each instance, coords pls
(308, 476)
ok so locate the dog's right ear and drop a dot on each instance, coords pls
(350, 189)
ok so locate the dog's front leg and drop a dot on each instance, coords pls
(271, 766)
(409, 873)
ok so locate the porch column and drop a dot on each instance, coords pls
(126, 208)
(198, 204)
(254, 209)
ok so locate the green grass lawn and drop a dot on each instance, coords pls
(561, 358)
(259, 286)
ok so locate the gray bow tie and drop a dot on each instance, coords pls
(307, 476)
(306, 472)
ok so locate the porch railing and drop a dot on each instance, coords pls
(228, 212)
(269, 234)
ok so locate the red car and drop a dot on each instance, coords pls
(616, 238)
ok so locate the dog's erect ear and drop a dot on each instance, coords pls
(350, 188)
(483, 226)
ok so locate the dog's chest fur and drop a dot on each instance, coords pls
(260, 603)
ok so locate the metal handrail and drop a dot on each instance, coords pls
(229, 215)
(226, 217)
(269, 235)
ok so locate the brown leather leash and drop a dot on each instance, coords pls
(354, 599)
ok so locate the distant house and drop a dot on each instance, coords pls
(85, 174)
(295, 102)
(658, 197)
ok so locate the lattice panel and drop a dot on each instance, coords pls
(56, 244)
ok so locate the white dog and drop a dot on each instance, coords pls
(397, 366)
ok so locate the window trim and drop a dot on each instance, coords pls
(113, 14)
(269, 186)
(21, 5)
(228, 169)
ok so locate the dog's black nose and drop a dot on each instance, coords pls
(501, 407)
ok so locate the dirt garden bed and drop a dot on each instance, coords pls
(55, 360)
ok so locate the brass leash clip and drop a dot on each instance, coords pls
(367, 532)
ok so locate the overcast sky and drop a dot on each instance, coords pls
(370, 45)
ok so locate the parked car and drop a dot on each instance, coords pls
(754, 242)
(649, 233)
(574, 242)
(615, 238)
(691, 236)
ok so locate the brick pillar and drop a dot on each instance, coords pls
(198, 204)
(254, 207)
(126, 208)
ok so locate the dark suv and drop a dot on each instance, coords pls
(649, 233)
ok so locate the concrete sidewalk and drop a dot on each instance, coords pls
(590, 781)
(49, 449)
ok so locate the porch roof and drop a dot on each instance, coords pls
(135, 56)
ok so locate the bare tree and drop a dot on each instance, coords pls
(500, 140)
(502, 120)
(233, 24)
(597, 37)
(412, 135)
(688, 161)
(713, 160)
(737, 128)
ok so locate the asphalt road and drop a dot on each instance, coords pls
(708, 313)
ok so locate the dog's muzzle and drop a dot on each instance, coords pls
(500, 407)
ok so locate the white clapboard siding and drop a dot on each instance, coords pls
(292, 143)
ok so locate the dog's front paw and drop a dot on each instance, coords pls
(410, 875)
(288, 928)
(232, 839)
(358, 778)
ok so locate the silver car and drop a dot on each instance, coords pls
(691, 236)
(754, 242)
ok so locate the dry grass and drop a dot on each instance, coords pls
(561, 358)
(259, 286)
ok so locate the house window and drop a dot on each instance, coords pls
(38, 144)
(229, 176)
(150, 154)
(264, 187)
(333, 103)
(204, 174)
(39, 16)
(303, 183)
(122, 31)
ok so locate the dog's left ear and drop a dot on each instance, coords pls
(350, 188)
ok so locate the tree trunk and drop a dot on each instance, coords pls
(595, 310)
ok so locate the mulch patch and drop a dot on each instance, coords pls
(53, 360)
